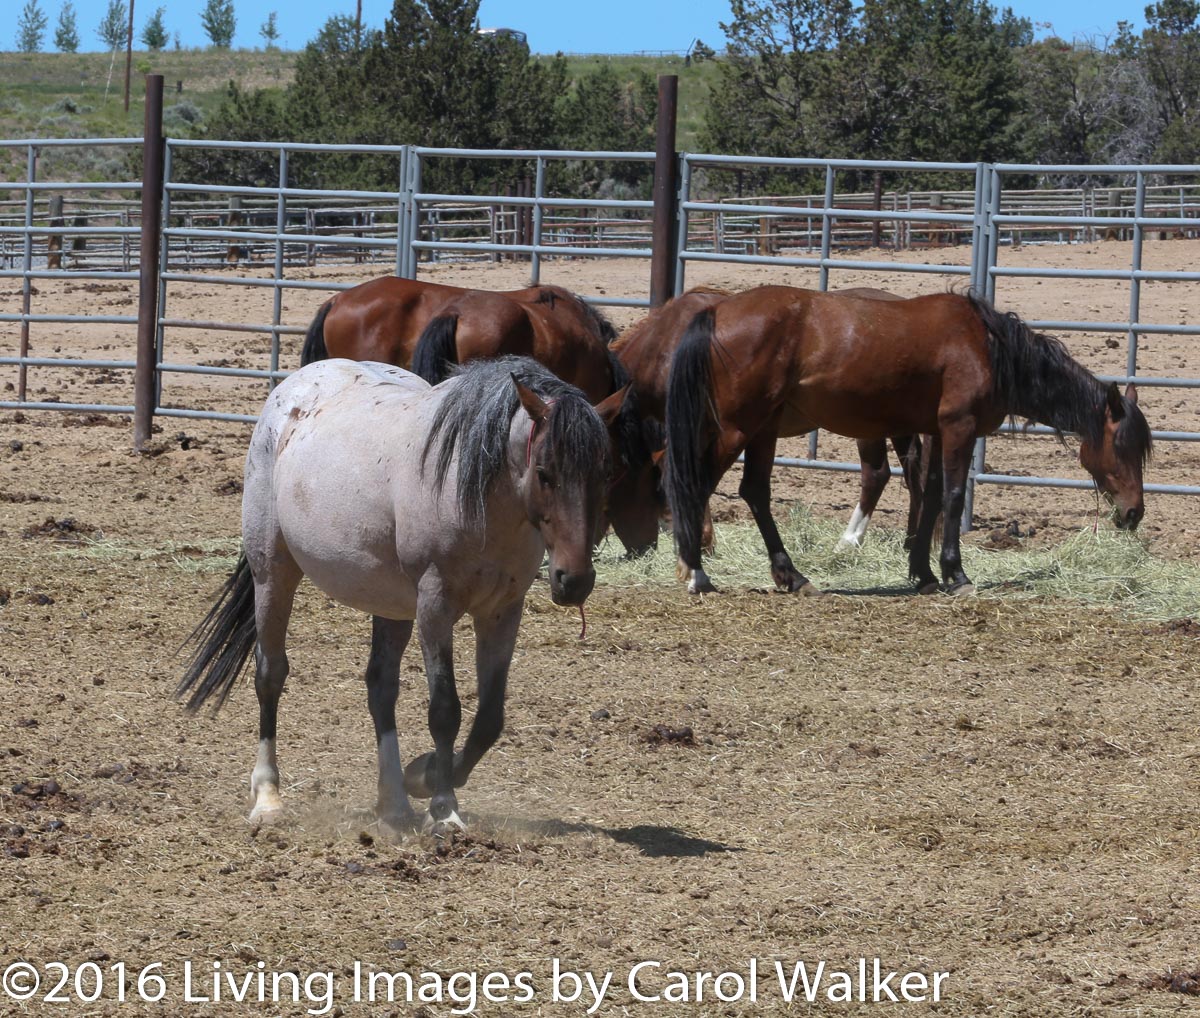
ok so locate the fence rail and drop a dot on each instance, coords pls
(89, 232)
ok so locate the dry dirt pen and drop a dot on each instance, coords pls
(999, 787)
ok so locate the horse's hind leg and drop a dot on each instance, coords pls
(958, 443)
(276, 577)
(875, 475)
(756, 490)
(921, 535)
(389, 637)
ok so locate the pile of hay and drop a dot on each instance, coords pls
(1105, 567)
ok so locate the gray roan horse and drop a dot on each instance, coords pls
(409, 503)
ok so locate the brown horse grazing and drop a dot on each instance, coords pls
(429, 327)
(780, 361)
(646, 349)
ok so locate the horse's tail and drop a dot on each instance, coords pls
(314, 339)
(224, 639)
(689, 416)
(437, 349)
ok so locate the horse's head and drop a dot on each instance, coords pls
(1116, 454)
(565, 475)
(636, 502)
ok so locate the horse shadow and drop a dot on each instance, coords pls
(651, 840)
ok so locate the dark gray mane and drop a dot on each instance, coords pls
(473, 421)
(1034, 377)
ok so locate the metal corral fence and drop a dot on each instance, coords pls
(94, 234)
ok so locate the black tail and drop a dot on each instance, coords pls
(314, 339)
(689, 418)
(437, 349)
(225, 638)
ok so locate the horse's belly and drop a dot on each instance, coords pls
(859, 415)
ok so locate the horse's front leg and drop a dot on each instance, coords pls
(495, 639)
(434, 775)
(958, 442)
(755, 489)
(388, 641)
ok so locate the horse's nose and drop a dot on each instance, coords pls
(571, 588)
(1134, 516)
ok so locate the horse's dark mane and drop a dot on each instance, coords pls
(636, 438)
(1034, 377)
(474, 418)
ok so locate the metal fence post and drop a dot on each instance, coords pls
(1135, 283)
(539, 192)
(27, 266)
(152, 191)
(982, 251)
(681, 236)
(666, 188)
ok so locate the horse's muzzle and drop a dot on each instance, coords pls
(1130, 519)
(568, 588)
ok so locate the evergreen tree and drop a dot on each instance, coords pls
(1170, 53)
(219, 22)
(31, 27)
(113, 29)
(269, 31)
(426, 78)
(154, 33)
(66, 34)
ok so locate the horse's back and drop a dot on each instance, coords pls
(382, 318)
(858, 364)
(335, 453)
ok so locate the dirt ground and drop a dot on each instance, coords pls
(1002, 791)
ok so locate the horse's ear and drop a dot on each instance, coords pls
(1116, 408)
(534, 405)
(610, 406)
(1131, 393)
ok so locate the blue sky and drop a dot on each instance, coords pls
(573, 26)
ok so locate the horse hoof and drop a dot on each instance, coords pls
(931, 587)
(962, 590)
(270, 813)
(447, 827)
(701, 588)
(810, 589)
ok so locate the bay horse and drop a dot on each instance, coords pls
(779, 361)
(430, 327)
(646, 350)
(410, 503)
(386, 320)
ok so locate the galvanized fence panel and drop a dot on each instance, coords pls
(212, 232)
(34, 241)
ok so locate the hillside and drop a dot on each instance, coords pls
(64, 95)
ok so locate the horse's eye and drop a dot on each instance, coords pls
(545, 478)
